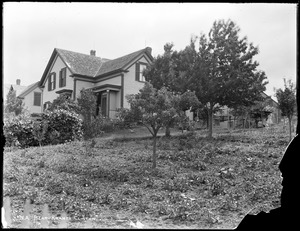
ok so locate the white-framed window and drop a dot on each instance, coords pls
(37, 98)
(51, 81)
(140, 67)
(62, 77)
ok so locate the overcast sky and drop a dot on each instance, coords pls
(32, 30)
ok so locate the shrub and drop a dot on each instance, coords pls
(124, 118)
(63, 126)
(39, 131)
(18, 131)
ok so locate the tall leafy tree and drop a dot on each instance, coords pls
(168, 70)
(224, 72)
(287, 101)
(160, 72)
(13, 104)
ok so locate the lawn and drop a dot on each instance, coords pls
(198, 183)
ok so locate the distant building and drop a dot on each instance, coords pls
(225, 118)
(17, 87)
(32, 98)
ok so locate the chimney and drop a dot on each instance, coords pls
(93, 52)
(18, 82)
(149, 49)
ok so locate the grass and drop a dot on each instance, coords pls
(198, 183)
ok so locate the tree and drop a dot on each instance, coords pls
(183, 102)
(13, 104)
(87, 103)
(160, 72)
(165, 71)
(92, 124)
(224, 73)
(287, 101)
(154, 109)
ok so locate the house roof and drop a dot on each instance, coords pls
(28, 89)
(269, 97)
(80, 64)
(90, 65)
(121, 62)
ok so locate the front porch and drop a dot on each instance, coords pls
(108, 99)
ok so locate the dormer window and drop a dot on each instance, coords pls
(140, 67)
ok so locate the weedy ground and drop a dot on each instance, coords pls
(198, 183)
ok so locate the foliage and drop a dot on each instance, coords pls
(18, 131)
(63, 126)
(87, 103)
(287, 101)
(161, 72)
(39, 131)
(125, 117)
(243, 175)
(13, 104)
(225, 72)
(221, 72)
(154, 109)
(93, 128)
(64, 102)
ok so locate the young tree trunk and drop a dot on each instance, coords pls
(210, 123)
(168, 131)
(154, 156)
(290, 127)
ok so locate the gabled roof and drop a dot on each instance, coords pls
(28, 89)
(80, 64)
(120, 63)
(90, 65)
(265, 96)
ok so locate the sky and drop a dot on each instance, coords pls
(31, 31)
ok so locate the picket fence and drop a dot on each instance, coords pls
(27, 219)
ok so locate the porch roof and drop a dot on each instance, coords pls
(64, 91)
(105, 87)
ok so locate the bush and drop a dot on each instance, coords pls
(18, 131)
(57, 126)
(63, 126)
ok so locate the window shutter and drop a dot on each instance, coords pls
(64, 76)
(137, 71)
(54, 80)
(60, 78)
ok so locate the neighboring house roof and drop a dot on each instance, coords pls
(28, 89)
(18, 88)
(269, 97)
(90, 65)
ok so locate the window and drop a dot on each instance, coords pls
(51, 81)
(37, 98)
(140, 67)
(46, 105)
(62, 77)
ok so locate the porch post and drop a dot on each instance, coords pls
(108, 102)
(122, 90)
